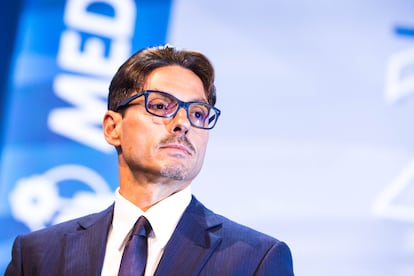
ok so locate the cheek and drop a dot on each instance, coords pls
(137, 137)
(202, 141)
(140, 147)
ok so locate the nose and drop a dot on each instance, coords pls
(180, 122)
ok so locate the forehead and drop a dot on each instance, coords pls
(178, 81)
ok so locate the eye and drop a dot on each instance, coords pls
(157, 105)
(161, 106)
(199, 113)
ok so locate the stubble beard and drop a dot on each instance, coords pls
(175, 172)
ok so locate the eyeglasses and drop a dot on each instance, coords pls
(165, 105)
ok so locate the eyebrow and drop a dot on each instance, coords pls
(197, 100)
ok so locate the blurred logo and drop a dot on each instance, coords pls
(37, 201)
(396, 201)
(400, 75)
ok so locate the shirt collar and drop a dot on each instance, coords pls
(163, 216)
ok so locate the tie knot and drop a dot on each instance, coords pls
(142, 227)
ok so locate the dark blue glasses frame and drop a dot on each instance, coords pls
(201, 115)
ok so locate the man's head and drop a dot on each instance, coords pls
(132, 75)
(161, 148)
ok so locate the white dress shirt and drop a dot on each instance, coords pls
(163, 217)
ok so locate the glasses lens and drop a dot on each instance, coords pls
(202, 115)
(161, 104)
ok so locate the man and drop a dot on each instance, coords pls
(160, 110)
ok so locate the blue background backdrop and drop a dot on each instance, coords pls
(314, 146)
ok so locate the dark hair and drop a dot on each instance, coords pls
(131, 76)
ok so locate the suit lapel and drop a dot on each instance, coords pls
(192, 242)
(85, 248)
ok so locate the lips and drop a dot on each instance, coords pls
(178, 143)
(178, 147)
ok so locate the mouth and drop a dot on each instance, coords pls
(177, 148)
(179, 145)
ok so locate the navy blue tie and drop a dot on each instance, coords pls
(134, 258)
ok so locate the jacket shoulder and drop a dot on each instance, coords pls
(42, 252)
(54, 231)
(233, 230)
(244, 250)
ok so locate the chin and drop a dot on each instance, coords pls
(176, 172)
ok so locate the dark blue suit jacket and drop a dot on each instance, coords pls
(203, 243)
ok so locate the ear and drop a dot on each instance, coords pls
(111, 124)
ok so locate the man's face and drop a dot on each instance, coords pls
(166, 147)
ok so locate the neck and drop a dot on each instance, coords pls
(144, 193)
